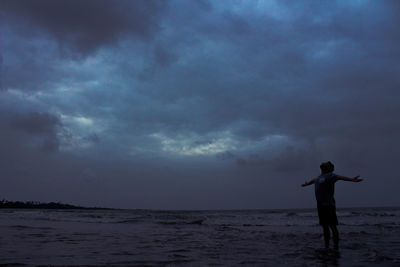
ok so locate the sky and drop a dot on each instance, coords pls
(198, 104)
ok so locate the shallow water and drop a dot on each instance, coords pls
(369, 236)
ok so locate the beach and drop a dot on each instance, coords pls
(368, 237)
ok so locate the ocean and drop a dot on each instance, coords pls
(368, 237)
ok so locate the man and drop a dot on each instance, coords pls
(324, 191)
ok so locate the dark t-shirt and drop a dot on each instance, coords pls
(325, 189)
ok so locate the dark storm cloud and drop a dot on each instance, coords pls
(200, 102)
(289, 160)
(39, 37)
(1, 72)
(39, 129)
(84, 26)
(308, 78)
(92, 138)
(226, 155)
(34, 123)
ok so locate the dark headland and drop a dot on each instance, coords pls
(5, 204)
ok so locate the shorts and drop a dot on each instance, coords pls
(327, 215)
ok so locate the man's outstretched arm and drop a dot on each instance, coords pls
(308, 183)
(355, 179)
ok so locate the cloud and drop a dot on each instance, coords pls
(1, 72)
(94, 138)
(84, 26)
(226, 155)
(70, 32)
(34, 123)
(37, 126)
(190, 99)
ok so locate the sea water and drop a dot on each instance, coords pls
(368, 236)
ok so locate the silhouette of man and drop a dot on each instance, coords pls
(324, 193)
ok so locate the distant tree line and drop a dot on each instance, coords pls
(5, 204)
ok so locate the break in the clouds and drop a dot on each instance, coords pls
(198, 104)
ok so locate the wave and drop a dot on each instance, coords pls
(383, 225)
(22, 227)
(13, 264)
(198, 222)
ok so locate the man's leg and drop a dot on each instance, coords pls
(335, 234)
(327, 235)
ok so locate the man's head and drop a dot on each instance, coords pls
(327, 167)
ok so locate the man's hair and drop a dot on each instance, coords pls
(327, 167)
